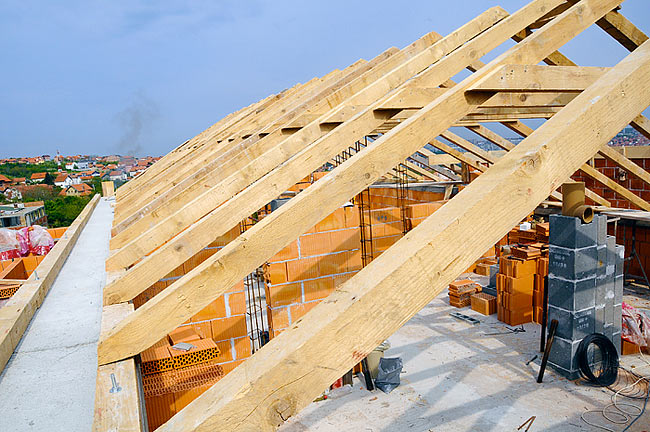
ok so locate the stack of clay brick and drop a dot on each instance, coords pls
(520, 284)
(460, 292)
(173, 377)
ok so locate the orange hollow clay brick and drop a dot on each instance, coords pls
(243, 348)
(347, 239)
(225, 351)
(298, 310)
(231, 327)
(332, 264)
(277, 272)
(204, 350)
(203, 329)
(280, 317)
(159, 409)
(183, 334)
(215, 309)
(317, 289)
(354, 261)
(301, 269)
(519, 301)
(237, 303)
(315, 244)
(333, 221)
(282, 295)
(288, 253)
(484, 303)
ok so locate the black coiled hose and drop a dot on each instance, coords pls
(609, 371)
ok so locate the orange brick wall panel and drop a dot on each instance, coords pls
(351, 217)
(332, 264)
(341, 279)
(392, 228)
(277, 272)
(385, 215)
(225, 351)
(183, 398)
(159, 409)
(280, 317)
(243, 348)
(226, 238)
(288, 253)
(299, 310)
(14, 269)
(317, 289)
(204, 350)
(227, 328)
(383, 243)
(239, 286)
(203, 329)
(282, 295)
(302, 269)
(237, 303)
(183, 334)
(354, 261)
(197, 259)
(334, 221)
(315, 244)
(347, 239)
(215, 309)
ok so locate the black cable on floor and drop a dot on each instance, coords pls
(609, 354)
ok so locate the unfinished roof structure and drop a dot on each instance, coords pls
(367, 120)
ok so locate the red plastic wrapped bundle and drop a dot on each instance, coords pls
(35, 239)
(9, 246)
(636, 326)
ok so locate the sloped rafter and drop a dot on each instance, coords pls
(133, 334)
(287, 374)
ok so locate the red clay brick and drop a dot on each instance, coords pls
(332, 264)
(183, 334)
(315, 244)
(301, 269)
(226, 328)
(243, 347)
(289, 252)
(237, 303)
(282, 295)
(277, 272)
(318, 288)
(216, 309)
(280, 317)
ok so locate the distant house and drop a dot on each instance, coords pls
(38, 177)
(4, 180)
(11, 193)
(117, 175)
(81, 189)
(111, 167)
(18, 180)
(63, 180)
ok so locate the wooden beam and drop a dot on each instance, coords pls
(623, 162)
(463, 143)
(602, 178)
(529, 78)
(210, 279)
(16, 314)
(290, 371)
(311, 144)
(626, 33)
(117, 408)
(460, 156)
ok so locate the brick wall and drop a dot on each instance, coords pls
(630, 182)
(642, 242)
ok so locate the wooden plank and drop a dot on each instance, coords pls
(523, 78)
(16, 314)
(623, 162)
(626, 33)
(117, 408)
(462, 157)
(289, 372)
(207, 281)
(602, 178)
(463, 143)
(302, 143)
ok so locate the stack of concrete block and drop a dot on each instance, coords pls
(583, 293)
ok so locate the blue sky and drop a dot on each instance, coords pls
(130, 76)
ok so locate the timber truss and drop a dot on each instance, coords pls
(406, 100)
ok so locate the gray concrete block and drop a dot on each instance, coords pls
(611, 250)
(620, 256)
(609, 331)
(609, 311)
(571, 233)
(599, 323)
(494, 270)
(563, 354)
(601, 223)
(618, 289)
(571, 295)
(573, 264)
(572, 325)
(616, 340)
(490, 290)
(602, 261)
(618, 317)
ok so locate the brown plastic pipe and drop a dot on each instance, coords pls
(573, 202)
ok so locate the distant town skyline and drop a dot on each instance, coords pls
(140, 78)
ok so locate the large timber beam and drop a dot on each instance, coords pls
(289, 372)
(208, 281)
(528, 78)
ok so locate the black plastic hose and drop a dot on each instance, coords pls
(609, 372)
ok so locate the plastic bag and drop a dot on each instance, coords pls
(388, 374)
(635, 326)
(40, 241)
(9, 246)
(34, 239)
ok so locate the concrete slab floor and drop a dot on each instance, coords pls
(49, 383)
(457, 378)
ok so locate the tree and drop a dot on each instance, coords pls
(49, 180)
(62, 211)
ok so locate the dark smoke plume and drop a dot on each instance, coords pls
(136, 118)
